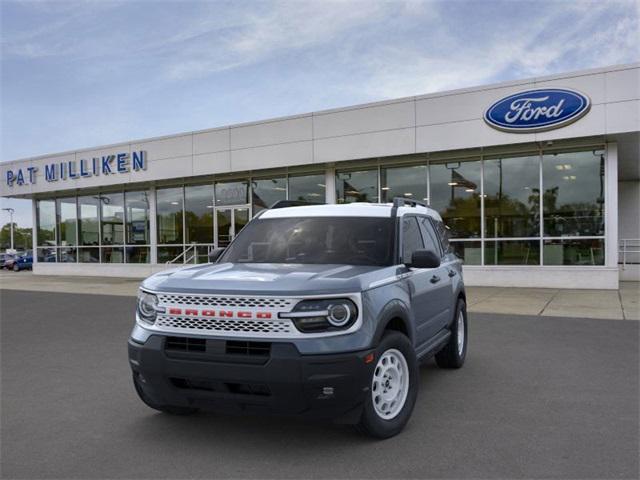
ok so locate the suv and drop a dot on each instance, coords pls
(321, 310)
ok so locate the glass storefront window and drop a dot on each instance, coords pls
(112, 254)
(512, 252)
(67, 254)
(137, 218)
(512, 197)
(573, 198)
(455, 194)
(307, 188)
(232, 193)
(46, 217)
(47, 254)
(166, 254)
(89, 255)
(469, 252)
(360, 186)
(573, 252)
(137, 254)
(408, 182)
(88, 226)
(265, 192)
(169, 207)
(198, 213)
(112, 218)
(67, 220)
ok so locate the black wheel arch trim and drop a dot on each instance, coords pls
(394, 311)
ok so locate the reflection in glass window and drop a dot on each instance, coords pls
(512, 197)
(112, 255)
(169, 206)
(137, 218)
(573, 252)
(112, 205)
(232, 193)
(307, 188)
(265, 192)
(46, 222)
(89, 255)
(512, 252)
(198, 213)
(411, 238)
(137, 254)
(166, 254)
(573, 198)
(455, 194)
(67, 213)
(47, 254)
(407, 182)
(88, 227)
(361, 186)
(470, 252)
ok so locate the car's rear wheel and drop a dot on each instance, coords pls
(455, 351)
(16, 268)
(393, 388)
(172, 410)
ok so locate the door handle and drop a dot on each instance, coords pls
(452, 273)
(435, 279)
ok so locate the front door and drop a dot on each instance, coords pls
(229, 222)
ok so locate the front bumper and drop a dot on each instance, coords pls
(239, 377)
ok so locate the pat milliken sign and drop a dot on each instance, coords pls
(537, 110)
(117, 163)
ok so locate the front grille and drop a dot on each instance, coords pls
(219, 325)
(261, 349)
(216, 301)
(186, 344)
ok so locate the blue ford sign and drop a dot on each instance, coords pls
(537, 110)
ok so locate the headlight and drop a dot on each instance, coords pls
(323, 315)
(147, 307)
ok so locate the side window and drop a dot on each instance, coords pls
(411, 238)
(443, 233)
(430, 237)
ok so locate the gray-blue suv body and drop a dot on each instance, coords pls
(319, 310)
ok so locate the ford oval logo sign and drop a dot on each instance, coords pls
(537, 110)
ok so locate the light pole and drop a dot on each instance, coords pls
(11, 212)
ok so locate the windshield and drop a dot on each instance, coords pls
(323, 240)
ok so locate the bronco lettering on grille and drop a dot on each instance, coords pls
(193, 312)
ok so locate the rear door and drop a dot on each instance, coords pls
(421, 282)
(443, 289)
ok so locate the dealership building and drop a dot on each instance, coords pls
(537, 180)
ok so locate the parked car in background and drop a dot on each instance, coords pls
(23, 262)
(7, 261)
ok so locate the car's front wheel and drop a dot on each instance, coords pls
(393, 387)
(16, 268)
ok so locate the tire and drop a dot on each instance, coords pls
(453, 354)
(394, 347)
(171, 410)
(16, 268)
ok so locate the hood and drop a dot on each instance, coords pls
(268, 279)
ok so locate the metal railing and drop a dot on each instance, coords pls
(628, 249)
(190, 250)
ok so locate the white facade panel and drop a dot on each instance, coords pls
(171, 147)
(286, 154)
(210, 163)
(593, 123)
(378, 144)
(367, 119)
(623, 116)
(623, 85)
(211, 141)
(591, 85)
(166, 168)
(271, 133)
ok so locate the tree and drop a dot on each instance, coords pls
(21, 237)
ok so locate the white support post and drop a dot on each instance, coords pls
(153, 218)
(330, 184)
(611, 205)
(34, 230)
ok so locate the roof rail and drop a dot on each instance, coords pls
(402, 202)
(293, 203)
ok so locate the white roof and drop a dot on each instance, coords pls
(358, 209)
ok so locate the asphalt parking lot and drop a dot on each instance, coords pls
(539, 397)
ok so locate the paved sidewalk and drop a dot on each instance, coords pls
(623, 304)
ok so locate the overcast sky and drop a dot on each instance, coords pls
(81, 74)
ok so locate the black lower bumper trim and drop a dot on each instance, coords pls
(284, 383)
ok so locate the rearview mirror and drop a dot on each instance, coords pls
(424, 259)
(215, 254)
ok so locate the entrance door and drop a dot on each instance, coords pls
(229, 222)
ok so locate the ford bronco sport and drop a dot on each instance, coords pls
(318, 310)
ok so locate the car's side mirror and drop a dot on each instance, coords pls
(424, 259)
(215, 254)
